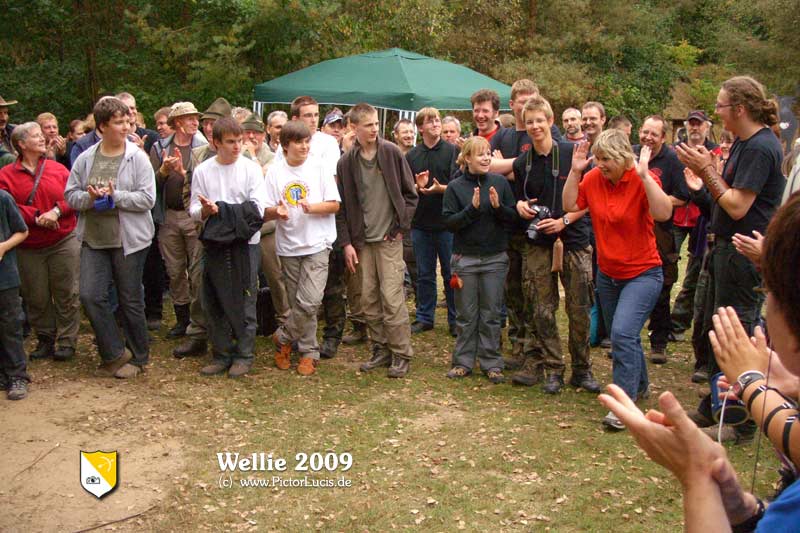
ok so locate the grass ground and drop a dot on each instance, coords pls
(428, 453)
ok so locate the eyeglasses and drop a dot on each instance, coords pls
(721, 106)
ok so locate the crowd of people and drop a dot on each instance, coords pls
(244, 217)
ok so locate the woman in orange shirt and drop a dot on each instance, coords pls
(624, 199)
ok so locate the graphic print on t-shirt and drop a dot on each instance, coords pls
(294, 192)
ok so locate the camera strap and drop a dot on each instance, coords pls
(555, 164)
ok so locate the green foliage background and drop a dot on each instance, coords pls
(61, 55)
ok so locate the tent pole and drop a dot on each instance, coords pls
(383, 122)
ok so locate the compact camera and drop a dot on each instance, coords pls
(92, 480)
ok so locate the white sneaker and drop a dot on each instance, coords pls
(612, 422)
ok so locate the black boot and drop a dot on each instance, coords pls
(44, 349)
(181, 322)
(381, 357)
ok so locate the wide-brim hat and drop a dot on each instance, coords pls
(181, 109)
(219, 108)
(6, 103)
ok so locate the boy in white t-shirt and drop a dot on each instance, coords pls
(304, 199)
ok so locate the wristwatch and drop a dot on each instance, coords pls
(566, 220)
(744, 380)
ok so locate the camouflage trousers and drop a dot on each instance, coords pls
(514, 297)
(541, 293)
(333, 300)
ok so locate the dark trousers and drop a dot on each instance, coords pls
(154, 280)
(333, 302)
(99, 270)
(12, 353)
(227, 348)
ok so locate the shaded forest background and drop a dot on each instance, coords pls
(637, 57)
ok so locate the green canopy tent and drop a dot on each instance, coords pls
(392, 79)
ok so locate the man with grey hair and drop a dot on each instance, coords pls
(451, 129)
(275, 122)
(144, 138)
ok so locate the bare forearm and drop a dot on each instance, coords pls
(703, 510)
(329, 207)
(569, 196)
(660, 204)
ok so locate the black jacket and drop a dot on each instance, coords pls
(482, 231)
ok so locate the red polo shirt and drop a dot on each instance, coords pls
(623, 227)
(18, 181)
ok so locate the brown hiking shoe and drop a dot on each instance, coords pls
(239, 369)
(399, 368)
(109, 368)
(283, 354)
(529, 375)
(128, 371)
(214, 369)
(381, 357)
(307, 366)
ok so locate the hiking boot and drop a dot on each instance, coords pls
(458, 372)
(728, 434)
(453, 329)
(701, 420)
(612, 422)
(128, 371)
(419, 327)
(658, 356)
(700, 376)
(329, 348)
(585, 381)
(554, 384)
(529, 375)
(44, 349)
(214, 369)
(605, 343)
(239, 368)
(153, 324)
(357, 335)
(109, 368)
(193, 347)
(495, 375)
(64, 353)
(381, 357)
(181, 322)
(307, 366)
(400, 367)
(18, 389)
(283, 353)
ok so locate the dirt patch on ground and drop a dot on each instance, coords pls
(59, 420)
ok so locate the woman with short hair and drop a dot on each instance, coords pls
(624, 199)
(49, 258)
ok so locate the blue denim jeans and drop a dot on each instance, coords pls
(428, 245)
(626, 305)
(99, 270)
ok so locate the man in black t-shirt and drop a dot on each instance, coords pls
(432, 162)
(745, 197)
(664, 163)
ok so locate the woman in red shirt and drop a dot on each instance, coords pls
(49, 259)
(624, 199)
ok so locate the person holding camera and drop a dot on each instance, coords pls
(478, 207)
(557, 246)
(624, 199)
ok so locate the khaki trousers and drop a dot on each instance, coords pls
(382, 296)
(177, 239)
(50, 289)
(271, 267)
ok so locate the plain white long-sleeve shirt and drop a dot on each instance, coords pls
(235, 183)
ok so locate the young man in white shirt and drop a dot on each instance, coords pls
(231, 179)
(303, 197)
